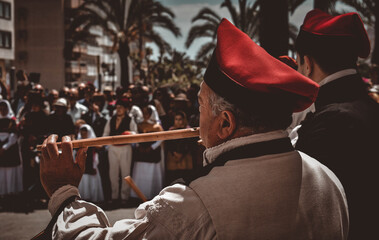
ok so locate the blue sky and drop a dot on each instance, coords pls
(185, 10)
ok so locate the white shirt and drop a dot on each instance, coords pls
(77, 111)
(337, 75)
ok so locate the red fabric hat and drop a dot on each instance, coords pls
(335, 31)
(246, 75)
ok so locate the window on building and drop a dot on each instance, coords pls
(5, 39)
(5, 10)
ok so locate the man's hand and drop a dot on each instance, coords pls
(57, 169)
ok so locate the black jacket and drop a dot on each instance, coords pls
(60, 125)
(98, 123)
(343, 135)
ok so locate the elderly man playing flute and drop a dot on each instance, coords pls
(254, 185)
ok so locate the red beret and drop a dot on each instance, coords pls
(335, 31)
(246, 75)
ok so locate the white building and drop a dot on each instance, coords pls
(7, 43)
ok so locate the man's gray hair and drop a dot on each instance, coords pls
(219, 104)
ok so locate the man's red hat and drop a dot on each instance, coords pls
(344, 33)
(246, 75)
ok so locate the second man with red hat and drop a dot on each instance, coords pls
(343, 131)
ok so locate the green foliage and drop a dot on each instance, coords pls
(125, 21)
(175, 69)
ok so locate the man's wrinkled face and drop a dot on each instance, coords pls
(208, 122)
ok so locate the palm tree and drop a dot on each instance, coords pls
(126, 21)
(248, 18)
(208, 30)
(245, 20)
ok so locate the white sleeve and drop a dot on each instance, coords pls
(155, 115)
(107, 128)
(176, 213)
(294, 136)
(133, 126)
(11, 140)
(84, 109)
(136, 113)
(156, 144)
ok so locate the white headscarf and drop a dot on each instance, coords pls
(10, 111)
(91, 133)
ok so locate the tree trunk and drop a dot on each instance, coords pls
(321, 4)
(274, 28)
(123, 53)
(375, 52)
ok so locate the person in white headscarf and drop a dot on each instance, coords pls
(90, 187)
(10, 160)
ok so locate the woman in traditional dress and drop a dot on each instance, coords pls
(148, 167)
(179, 152)
(90, 187)
(10, 160)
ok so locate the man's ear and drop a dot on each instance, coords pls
(227, 125)
(309, 66)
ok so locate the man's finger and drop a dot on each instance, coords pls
(52, 147)
(45, 154)
(81, 157)
(67, 150)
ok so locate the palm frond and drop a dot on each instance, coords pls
(200, 31)
(207, 14)
(156, 38)
(166, 23)
(206, 50)
(102, 9)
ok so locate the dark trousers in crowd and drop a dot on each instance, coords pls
(104, 173)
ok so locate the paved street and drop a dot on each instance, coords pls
(19, 226)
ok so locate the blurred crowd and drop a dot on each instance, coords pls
(83, 111)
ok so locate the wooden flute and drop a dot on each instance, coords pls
(135, 138)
